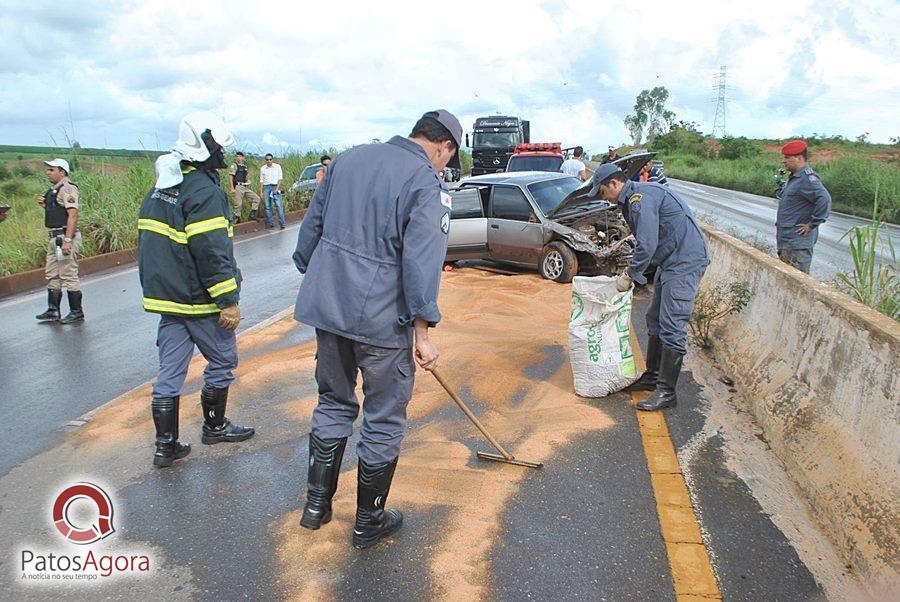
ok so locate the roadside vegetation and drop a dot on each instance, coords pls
(852, 170)
(871, 283)
(112, 189)
(714, 303)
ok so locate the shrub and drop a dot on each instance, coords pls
(714, 303)
(23, 171)
(12, 188)
(738, 148)
(5, 174)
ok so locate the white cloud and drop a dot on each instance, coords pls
(364, 70)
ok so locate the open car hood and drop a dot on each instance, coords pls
(630, 164)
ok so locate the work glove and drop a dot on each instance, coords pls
(623, 282)
(230, 317)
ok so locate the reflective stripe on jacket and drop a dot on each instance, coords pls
(185, 252)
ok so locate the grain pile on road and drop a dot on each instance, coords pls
(503, 344)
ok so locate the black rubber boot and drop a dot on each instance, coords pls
(53, 299)
(75, 312)
(216, 427)
(373, 523)
(648, 380)
(325, 457)
(165, 417)
(669, 369)
(252, 215)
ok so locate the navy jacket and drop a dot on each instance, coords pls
(665, 232)
(804, 200)
(372, 245)
(185, 254)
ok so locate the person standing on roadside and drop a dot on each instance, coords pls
(270, 177)
(240, 187)
(60, 205)
(666, 236)
(189, 276)
(803, 207)
(575, 166)
(325, 161)
(650, 173)
(372, 247)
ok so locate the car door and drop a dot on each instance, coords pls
(515, 234)
(468, 226)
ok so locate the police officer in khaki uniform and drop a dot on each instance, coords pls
(240, 188)
(60, 205)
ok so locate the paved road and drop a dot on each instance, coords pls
(113, 350)
(223, 523)
(752, 217)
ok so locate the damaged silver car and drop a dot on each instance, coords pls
(541, 220)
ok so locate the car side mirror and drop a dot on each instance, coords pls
(467, 141)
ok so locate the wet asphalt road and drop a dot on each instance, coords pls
(752, 218)
(584, 527)
(53, 374)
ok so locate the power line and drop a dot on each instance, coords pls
(719, 121)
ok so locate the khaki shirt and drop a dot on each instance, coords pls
(67, 194)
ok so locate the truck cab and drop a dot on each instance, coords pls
(494, 140)
(536, 156)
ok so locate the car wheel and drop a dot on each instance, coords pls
(558, 262)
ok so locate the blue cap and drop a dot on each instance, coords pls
(602, 174)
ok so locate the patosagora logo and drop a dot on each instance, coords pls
(83, 515)
(91, 533)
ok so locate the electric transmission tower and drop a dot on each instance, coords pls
(720, 88)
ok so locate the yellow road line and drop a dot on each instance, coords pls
(692, 572)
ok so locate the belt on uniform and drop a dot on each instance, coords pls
(58, 232)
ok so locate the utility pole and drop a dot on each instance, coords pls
(720, 88)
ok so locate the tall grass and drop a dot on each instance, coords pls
(110, 199)
(851, 180)
(873, 284)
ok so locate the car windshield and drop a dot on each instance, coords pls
(496, 139)
(310, 172)
(550, 193)
(538, 163)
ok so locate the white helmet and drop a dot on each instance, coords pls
(189, 144)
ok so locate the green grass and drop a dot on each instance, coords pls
(111, 194)
(851, 180)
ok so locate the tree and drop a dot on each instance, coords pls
(864, 137)
(76, 144)
(651, 117)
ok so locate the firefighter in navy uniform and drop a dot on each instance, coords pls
(666, 236)
(60, 205)
(189, 276)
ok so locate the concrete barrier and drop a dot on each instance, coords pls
(33, 279)
(822, 376)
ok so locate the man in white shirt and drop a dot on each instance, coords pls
(270, 176)
(575, 166)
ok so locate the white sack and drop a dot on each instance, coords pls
(600, 337)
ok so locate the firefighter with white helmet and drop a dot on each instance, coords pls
(189, 276)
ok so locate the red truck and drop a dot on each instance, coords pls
(536, 156)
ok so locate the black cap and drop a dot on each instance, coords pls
(449, 121)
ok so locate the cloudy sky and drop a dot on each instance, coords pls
(319, 74)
